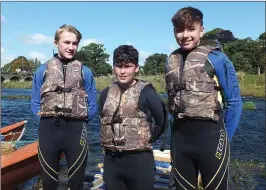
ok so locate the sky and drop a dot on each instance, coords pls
(28, 28)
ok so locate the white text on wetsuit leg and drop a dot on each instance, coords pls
(220, 146)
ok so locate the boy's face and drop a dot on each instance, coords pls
(67, 45)
(125, 73)
(189, 38)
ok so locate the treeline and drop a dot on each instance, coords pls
(246, 54)
(21, 63)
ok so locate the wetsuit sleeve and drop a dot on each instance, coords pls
(227, 79)
(90, 88)
(102, 99)
(37, 83)
(151, 104)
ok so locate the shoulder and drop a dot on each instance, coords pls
(103, 93)
(105, 90)
(148, 90)
(175, 52)
(86, 71)
(217, 55)
(218, 59)
(41, 69)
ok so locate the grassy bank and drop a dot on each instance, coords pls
(250, 85)
(249, 105)
(16, 84)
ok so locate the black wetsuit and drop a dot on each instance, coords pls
(200, 146)
(63, 135)
(59, 135)
(134, 170)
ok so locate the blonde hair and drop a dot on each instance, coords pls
(67, 28)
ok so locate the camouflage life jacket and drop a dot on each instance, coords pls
(63, 94)
(192, 92)
(123, 126)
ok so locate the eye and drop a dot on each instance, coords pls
(179, 31)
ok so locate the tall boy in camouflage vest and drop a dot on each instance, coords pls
(199, 78)
(64, 96)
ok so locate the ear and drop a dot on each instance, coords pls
(137, 68)
(201, 31)
(174, 30)
(56, 43)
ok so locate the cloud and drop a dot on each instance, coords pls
(86, 42)
(39, 56)
(2, 49)
(38, 39)
(6, 59)
(143, 55)
(3, 19)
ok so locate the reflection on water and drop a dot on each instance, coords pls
(247, 144)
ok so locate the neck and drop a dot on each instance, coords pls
(126, 86)
(63, 59)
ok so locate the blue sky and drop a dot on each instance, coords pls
(27, 28)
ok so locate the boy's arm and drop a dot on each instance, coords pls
(90, 88)
(151, 104)
(227, 79)
(37, 83)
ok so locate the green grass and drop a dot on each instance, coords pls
(249, 105)
(13, 84)
(250, 85)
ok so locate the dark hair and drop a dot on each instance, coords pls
(186, 18)
(126, 54)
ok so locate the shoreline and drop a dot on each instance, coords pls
(250, 85)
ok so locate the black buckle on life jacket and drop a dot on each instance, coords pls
(119, 142)
(65, 110)
(59, 90)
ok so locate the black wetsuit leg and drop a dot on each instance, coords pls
(126, 171)
(201, 146)
(62, 135)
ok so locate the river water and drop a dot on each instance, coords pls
(248, 144)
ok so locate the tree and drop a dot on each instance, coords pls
(20, 63)
(222, 36)
(246, 54)
(154, 64)
(94, 56)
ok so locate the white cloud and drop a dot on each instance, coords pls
(39, 56)
(86, 42)
(2, 49)
(6, 59)
(3, 19)
(143, 55)
(38, 39)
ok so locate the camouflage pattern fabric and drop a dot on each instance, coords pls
(191, 91)
(61, 95)
(131, 131)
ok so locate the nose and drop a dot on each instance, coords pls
(122, 70)
(185, 34)
(71, 46)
